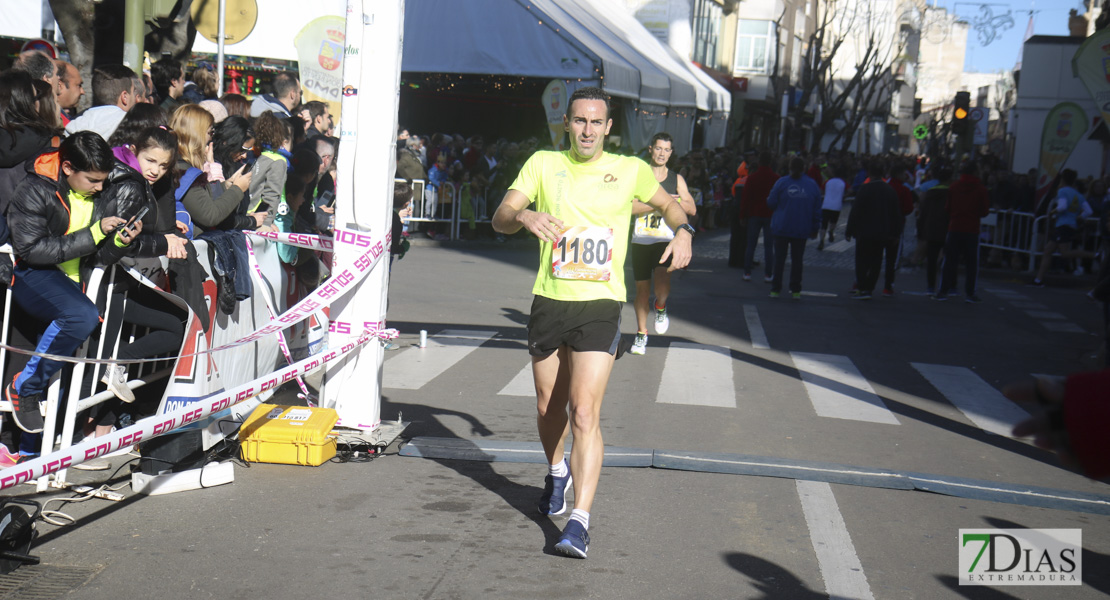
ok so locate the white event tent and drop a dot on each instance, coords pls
(581, 41)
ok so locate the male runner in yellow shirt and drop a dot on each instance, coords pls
(583, 206)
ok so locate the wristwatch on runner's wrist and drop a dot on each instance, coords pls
(689, 228)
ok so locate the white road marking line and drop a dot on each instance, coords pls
(1008, 294)
(819, 294)
(1029, 305)
(521, 385)
(698, 375)
(839, 246)
(1045, 314)
(837, 390)
(1062, 327)
(415, 367)
(755, 328)
(983, 405)
(836, 555)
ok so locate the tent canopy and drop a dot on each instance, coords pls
(596, 43)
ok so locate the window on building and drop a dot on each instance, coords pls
(796, 62)
(754, 46)
(706, 29)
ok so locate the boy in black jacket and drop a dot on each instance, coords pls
(60, 227)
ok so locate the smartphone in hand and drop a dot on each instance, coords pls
(137, 217)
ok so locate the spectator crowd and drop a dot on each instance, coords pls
(157, 161)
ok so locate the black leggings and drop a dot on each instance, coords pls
(166, 332)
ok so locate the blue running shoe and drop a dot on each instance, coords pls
(554, 498)
(575, 541)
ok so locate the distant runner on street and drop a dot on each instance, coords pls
(649, 240)
(582, 215)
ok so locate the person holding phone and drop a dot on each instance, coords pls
(210, 200)
(60, 227)
(130, 191)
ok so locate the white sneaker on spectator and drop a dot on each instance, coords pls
(96, 464)
(115, 376)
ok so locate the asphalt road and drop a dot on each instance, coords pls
(404, 527)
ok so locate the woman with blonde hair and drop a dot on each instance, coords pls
(210, 200)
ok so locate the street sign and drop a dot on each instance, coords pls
(921, 132)
(980, 118)
(42, 46)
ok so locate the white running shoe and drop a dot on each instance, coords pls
(640, 345)
(115, 376)
(662, 323)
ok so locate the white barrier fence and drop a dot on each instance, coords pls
(451, 204)
(1024, 233)
(201, 370)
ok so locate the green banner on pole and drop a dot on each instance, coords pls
(1064, 127)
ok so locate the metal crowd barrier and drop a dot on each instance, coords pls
(433, 204)
(1010, 231)
(1025, 233)
(76, 404)
(444, 205)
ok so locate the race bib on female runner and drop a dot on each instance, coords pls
(584, 253)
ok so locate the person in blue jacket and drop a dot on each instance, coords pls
(796, 200)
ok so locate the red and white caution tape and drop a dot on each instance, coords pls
(261, 288)
(300, 240)
(340, 282)
(159, 425)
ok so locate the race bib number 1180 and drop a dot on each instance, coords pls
(583, 253)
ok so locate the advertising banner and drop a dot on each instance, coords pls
(1091, 64)
(555, 106)
(1064, 126)
(321, 46)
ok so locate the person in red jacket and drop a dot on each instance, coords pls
(1074, 415)
(755, 212)
(968, 201)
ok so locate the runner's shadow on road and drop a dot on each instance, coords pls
(974, 592)
(478, 466)
(515, 315)
(771, 579)
(1096, 566)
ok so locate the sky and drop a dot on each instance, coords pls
(1050, 18)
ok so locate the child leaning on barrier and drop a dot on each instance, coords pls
(154, 151)
(60, 227)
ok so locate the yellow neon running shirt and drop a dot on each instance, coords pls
(593, 194)
(80, 215)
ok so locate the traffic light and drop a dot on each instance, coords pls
(960, 122)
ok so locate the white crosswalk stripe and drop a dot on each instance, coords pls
(697, 374)
(702, 375)
(415, 367)
(838, 390)
(755, 328)
(836, 555)
(983, 405)
(521, 385)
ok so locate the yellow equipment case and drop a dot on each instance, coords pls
(289, 435)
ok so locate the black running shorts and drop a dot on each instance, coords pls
(645, 258)
(584, 326)
(1063, 234)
